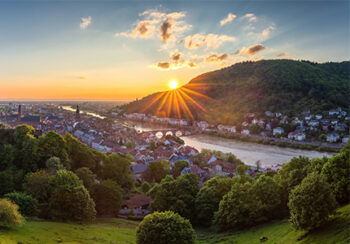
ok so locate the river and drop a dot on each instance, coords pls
(249, 153)
(69, 108)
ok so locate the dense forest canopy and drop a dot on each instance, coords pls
(285, 86)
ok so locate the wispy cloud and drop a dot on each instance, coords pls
(251, 17)
(85, 22)
(176, 61)
(217, 57)
(212, 41)
(166, 26)
(252, 50)
(228, 19)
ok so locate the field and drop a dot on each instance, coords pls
(121, 231)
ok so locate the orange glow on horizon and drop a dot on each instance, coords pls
(173, 84)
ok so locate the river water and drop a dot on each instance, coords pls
(249, 153)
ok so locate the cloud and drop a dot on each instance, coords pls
(266, 32)
(213, 41)
(281, 55)
(166, 26)
(217, 57)
(252, 50)
(165, 29)
(251, 17)
(175, 62)
(228, 19)
(85, 22)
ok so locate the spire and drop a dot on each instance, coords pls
(77, 113)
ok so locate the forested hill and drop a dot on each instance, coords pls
(286, 86)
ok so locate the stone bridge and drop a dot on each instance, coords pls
(173, 132)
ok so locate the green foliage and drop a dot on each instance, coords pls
(179, 165)
(108, 197)
(145, 187)
(248, 204)
(7, 183)
(337, 172)
(158, 170)
(53, 144)
(165, 228)
(53, 164)
(86, 175)
(81, 155)
(36, 184)
(69, 198)
(27, 204)
(118, 169)
(209, 197)
(311, 202)
(7, 156)
(176, 195)
(9, 215)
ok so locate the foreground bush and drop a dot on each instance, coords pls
(28, 205)
(9, 215)
(165, 228)
(311, 202)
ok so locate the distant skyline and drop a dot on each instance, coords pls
(117, 50)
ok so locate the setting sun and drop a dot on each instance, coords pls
(173, 84)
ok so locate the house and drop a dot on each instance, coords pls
(333, 112)
(138, 204)
(345, 139)
(314, 123)
(245, 124)
(278, 130)
(219, 167)
(340, 127)
(278, 114)
(308, 117)
(301, 136)
(333, 137)
(291, 135)
(245, 132)
(318, 116)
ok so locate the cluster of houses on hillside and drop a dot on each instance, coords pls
(333, 125)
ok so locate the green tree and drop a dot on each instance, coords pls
(179, 165)
(145, 187)
(53, 144)
(7, 183)
(9, 215)
(81, 155)
(236, 209)
(108, 197)
(27, 204)
(53, 164)
(176, 195)
(86, 175)
(37, 185)
(208, 198)
(69, 198)
(118, 169)
(337, 172)
(165, 228)
(311, 202)
(158, 171)
(7, 156)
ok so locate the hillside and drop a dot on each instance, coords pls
(123, 231)
(223, 96)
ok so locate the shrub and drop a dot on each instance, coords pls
(145, 187)
(85, 174)
(36, 184)
(311, 202)
(27, 204)
(165, 228)
(9, 215)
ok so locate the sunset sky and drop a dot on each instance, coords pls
(128, 49)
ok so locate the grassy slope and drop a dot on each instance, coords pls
(123, 231)
(281, 232)
(117, 231)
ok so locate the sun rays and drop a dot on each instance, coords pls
(182, 103)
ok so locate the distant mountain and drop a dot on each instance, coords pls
(225, 95)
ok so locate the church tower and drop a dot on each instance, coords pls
(77, 113)
(19, 112)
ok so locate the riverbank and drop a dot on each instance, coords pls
(278, 142)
